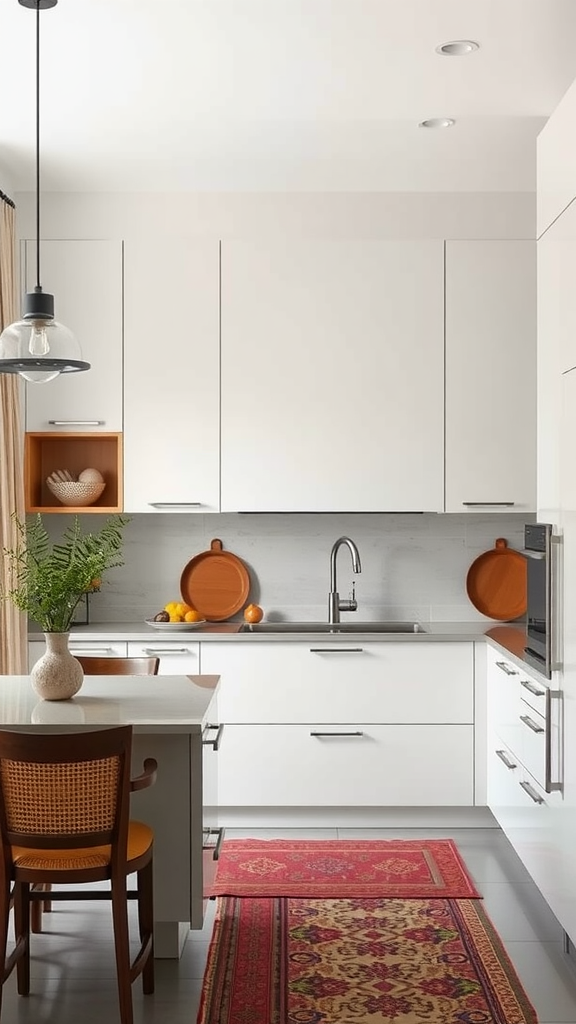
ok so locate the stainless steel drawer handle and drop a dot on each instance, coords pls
(336, 650)
(90, 650)
(502, 755)
(355, 733)
(167, 650)
(206, 833)
(215, 742)
(76, 423)
(506, 668)
(531, 792)
(549, 785)
(533, 689)
(504, 504)
(175, 504)
(532, 724)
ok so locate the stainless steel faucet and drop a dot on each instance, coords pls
(335, 605)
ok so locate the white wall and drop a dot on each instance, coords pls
(360, 215)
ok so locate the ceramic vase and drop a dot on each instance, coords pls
(57, 675)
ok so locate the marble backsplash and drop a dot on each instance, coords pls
(413, 565)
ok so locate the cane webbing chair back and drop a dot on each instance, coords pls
(64, 818)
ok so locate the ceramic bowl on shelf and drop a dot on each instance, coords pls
(76, 492)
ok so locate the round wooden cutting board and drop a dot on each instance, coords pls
(216, 583)
(496, 583)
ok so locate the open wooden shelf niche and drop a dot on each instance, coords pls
(46, 452)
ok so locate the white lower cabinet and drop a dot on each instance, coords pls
(339, 766)
(87, 648)
(175, 658)
(344, 724)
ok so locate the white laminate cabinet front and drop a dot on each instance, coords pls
(172, 368)
(490, 357)
(75, 271)
(332, 375)
(361, 766)
(176, 657)
(344, 724)
(88, 648)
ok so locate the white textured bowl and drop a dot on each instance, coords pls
(74, 492)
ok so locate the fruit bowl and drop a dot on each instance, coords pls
(76, 492)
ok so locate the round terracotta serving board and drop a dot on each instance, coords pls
(216, 583)
(496, 583)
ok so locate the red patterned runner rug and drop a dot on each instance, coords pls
(358, 961)
(342, 867)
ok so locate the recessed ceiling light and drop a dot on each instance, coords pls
(437, 122)
(457, 48)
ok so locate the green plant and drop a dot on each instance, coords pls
(47, 580)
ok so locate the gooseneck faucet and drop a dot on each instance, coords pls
(335, 605)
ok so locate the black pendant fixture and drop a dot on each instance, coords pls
(37, 346)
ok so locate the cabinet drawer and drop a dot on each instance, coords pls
(533, 693)
(532, 748)
(343, 681)
(359, 765)
(175, 658)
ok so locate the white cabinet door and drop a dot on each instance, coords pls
(343, 682)
(332, 375)
(175, 658)
(85, 277)
(89, 648)
(490, 376)
(171, 401)
(365, 766)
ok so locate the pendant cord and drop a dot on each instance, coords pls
(38, 145)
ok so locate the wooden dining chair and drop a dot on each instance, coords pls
(94, 666)
(64, 818)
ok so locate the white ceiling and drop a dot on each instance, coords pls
(313, 95)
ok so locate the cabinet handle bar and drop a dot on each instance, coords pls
(502, 755)
(215, 743)
(167, 650)
(356, 733)
(175, 504)
(531, 723)
(76, 423)
(531, 792)
(533, 689)
(506, 668)
(336, 650)
(495, 504)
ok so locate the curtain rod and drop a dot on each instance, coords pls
(7, 199)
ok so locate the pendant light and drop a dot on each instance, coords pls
(37, 346)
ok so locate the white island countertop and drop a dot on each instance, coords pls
(149, 703)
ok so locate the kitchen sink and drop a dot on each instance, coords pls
(336, 627)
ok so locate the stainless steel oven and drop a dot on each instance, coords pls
(539, 624)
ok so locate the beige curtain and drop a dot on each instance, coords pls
(13, 657)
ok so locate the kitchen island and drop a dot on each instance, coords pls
(170, 716)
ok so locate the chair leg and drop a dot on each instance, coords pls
(146, 924)
(122, 947)
(22, 932)
(5, 903)
(38, 906)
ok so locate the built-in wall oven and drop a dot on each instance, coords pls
(539, 621)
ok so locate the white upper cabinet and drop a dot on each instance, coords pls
(85, 277)
(490, 376)
(556, 161)
(332, 375)
(171, 401)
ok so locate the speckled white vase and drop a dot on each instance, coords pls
(58, 674)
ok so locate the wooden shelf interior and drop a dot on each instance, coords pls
(46, 452)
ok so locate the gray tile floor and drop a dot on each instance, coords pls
(73, 972)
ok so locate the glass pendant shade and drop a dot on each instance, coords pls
(37, 346)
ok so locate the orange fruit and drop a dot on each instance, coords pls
(253, 613)
(192, 616)
(174, 617)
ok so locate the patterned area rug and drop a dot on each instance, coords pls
(341, 867)
(358, 961)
